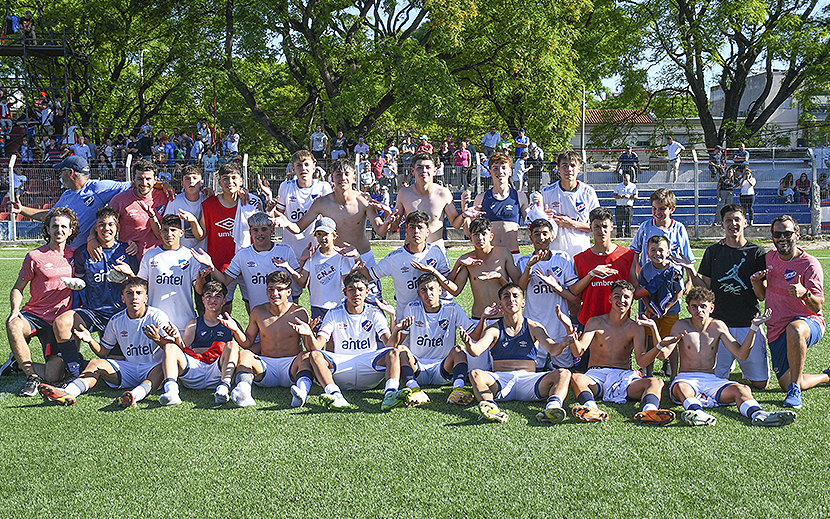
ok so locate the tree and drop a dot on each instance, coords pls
(731, 39)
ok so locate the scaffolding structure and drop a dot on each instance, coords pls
(57, 64)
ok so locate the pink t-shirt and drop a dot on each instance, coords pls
(462, 158)
(134, 224)
(786, 308)
(43, 268)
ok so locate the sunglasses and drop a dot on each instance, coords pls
(785, 234)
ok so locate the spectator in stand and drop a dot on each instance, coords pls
(716, 158)
(391, 149)
(450, 144)
(52, 154)
(534, 173)
(674, 149)
(522, 142)
(741, 158)
(824, 188)
(81, 149)
(203, 134)
(726, 184)
(425, 145)
(319, 144)
(444, 153)
(625, 193)
(407, 152)
(377, 166)
(46, 120)
(461, 159)
(232, 142)
(506, 143)
(58, 124)
(489, 142)
(71, 132)
(520, 169)
(629, 163)
(147, 128)
(19, 185)
(5, 116)
(471, 149)
(170, 149)
(210, 163)
(107, 150)
(748, 193)
(361, 147)
(802, 187)
(390, 173)
(339, 147)
(144, 146)
(196, 151)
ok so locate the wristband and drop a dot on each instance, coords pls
(754, 328)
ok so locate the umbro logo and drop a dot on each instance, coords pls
(226, 224)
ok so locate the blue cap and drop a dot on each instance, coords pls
(73, 162)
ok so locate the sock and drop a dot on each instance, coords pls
(392, 385)
(244, 379)
(586, 398)
(140, 391)
(171, 386)
(650, 402)
(332, 389)
(77, 387)
(459, 374)
(68, 351)
(692, 404)
(413, 385)
(750, 407)
(407, 374)
(223, 388)
(553, 401)
(304, 380)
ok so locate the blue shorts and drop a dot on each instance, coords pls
(778, 347)
(94, 320)
(42, 330)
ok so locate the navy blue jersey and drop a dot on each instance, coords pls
(519, 347)
(206, 335)
(507, 210)
(100, 294)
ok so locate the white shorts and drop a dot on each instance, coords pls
(130, 374)
(199, 375)
(277, 371)
(430, 373)
(359, 371)
(707, 387)
(613, 382)
(518, 385)
(755, 367)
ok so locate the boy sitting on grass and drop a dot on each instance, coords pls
(696, 386)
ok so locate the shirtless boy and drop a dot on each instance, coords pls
(425, 195)
(612, 337)
(696, 385)
(502, 205)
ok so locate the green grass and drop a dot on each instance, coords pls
(197, 460)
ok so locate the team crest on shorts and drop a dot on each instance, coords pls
(366, 325)
(789, 275)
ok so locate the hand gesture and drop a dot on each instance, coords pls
(280, 220)
(264, 187)
(171, 330)
(357, 266)
(132, 248)
(122, 267)
(645, 322)
(486, 276)
(759, 276)
(167, 189)
(404, 324)
(797, 290)
(565, 319)
(542, 255)
(470, 261)
(761, 319)
(423, 267)
(15, 207)
(565, 222)
(603, 271)
(466, 198)
(682, 262)
(203, 274)
(465, 338)
(385, 307)
(348, 250)
(472, 212)
(187, 216)
(228, 322)
(271, 205)
(148, 209)
(281, 263)
(301, 327)
(394, 220)
(308, 252)
(153, 333)
(551, 212)
(671, 340)
(550, 280)
(82, 333)
(536, 198)
(492, 311)
(96, 252)
(202, 257)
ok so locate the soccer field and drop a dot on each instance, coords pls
(203, 461)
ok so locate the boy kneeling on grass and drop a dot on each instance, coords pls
(696, 386)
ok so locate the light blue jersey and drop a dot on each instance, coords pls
(676, 234)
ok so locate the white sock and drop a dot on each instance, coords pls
(140, 391)
(591, 403)
(649, 407)
(304, 383)
(392, 385)
(332, 389)
(77, 387)
(553, 401)
(171, 386)
(458, 383)
(413, 385)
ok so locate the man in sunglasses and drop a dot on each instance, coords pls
(792, 285)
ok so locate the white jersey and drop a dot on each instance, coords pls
(540, 299)
(254, 266)
(128, 335)
(576, 204)
(325, 278)
(432, 335)
(294, 202)
(353, 334)
(404, 276)
(171, 275)
(194, 208)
